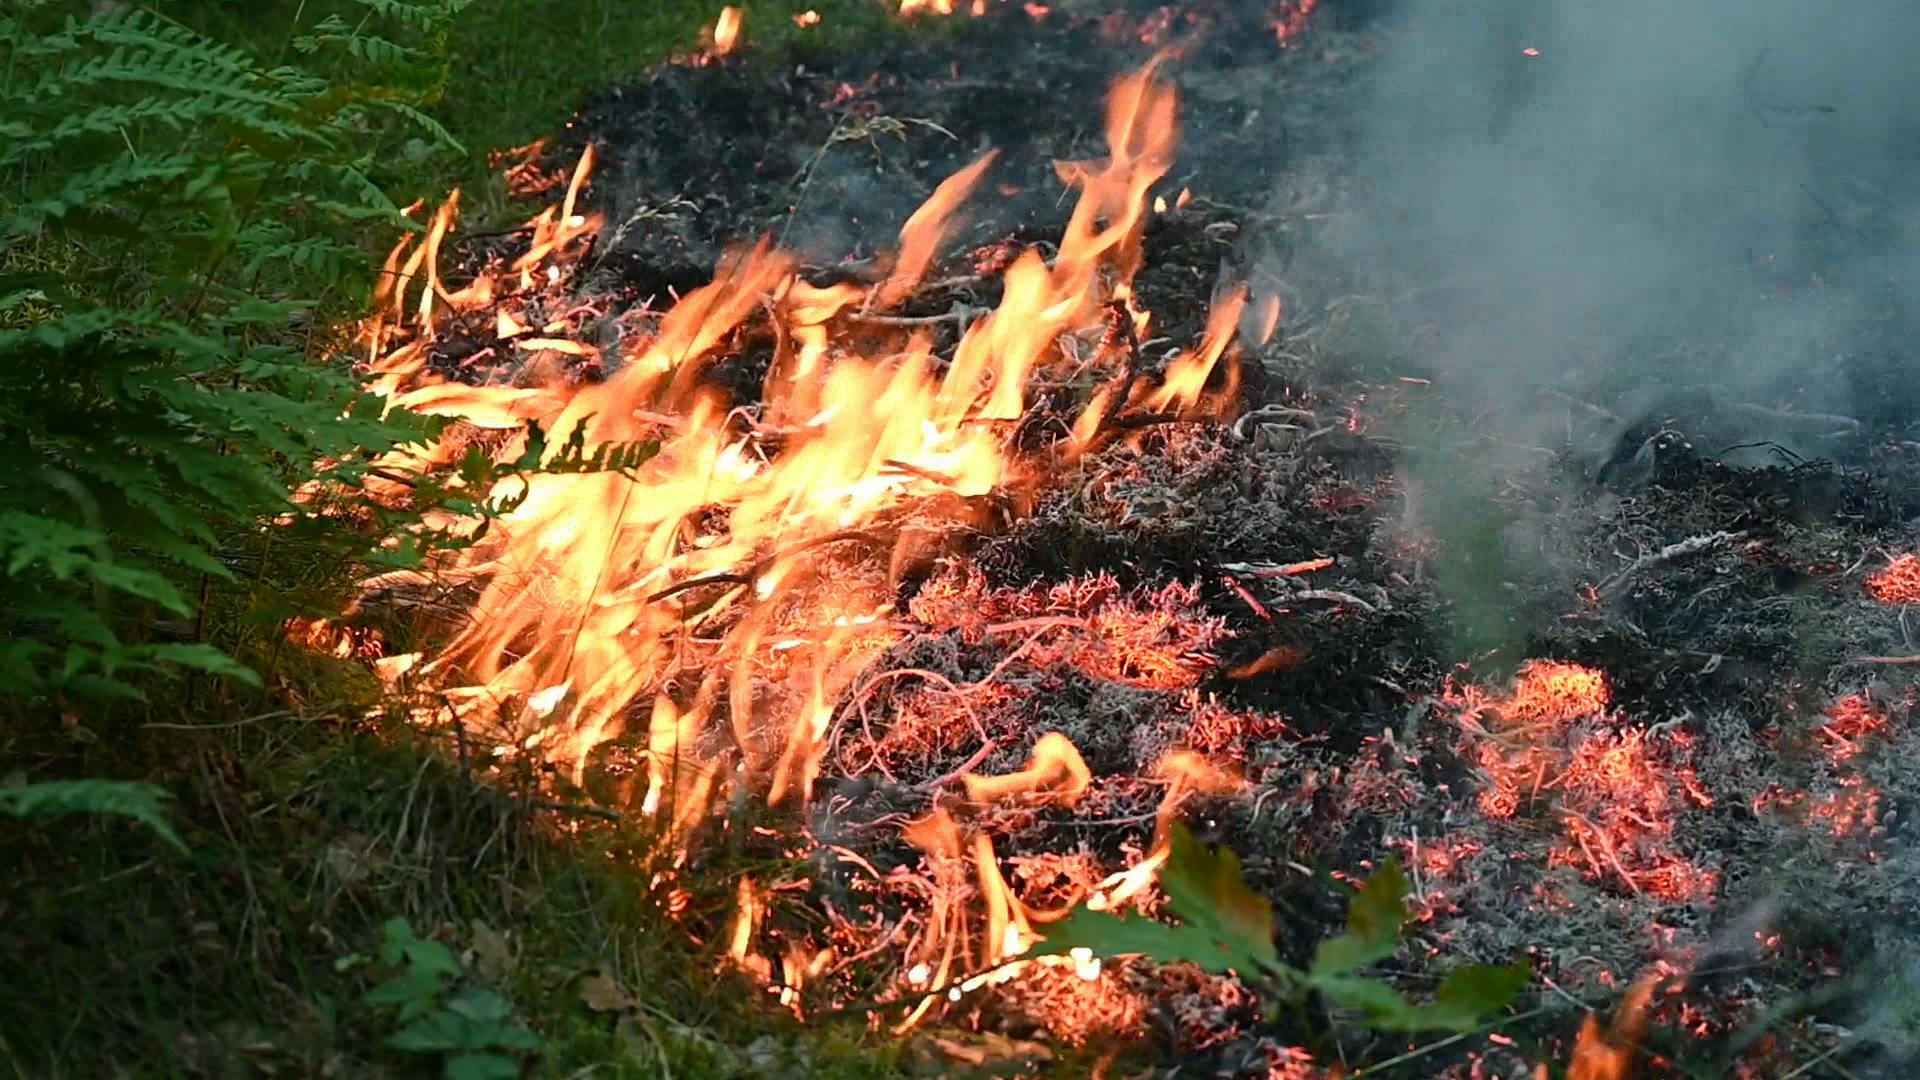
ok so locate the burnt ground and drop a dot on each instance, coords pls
(1757, 838)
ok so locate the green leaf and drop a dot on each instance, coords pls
(1107, 935)
(1468, 995)
(1465, 999)
(1205, 889)
(482, 1067)
(1225, 925)
(199, 657)
(1381, 1004)
(480, 1006)
(144, 803)
(1374, 918)
(435, 1032)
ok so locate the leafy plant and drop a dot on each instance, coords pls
(1226, 927)
(469, 1027)
(178, 216)
(144, 803)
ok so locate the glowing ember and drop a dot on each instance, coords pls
(1290, 18)
(942, 7)
(1850, 722)
(1614, 789)
(1898, 582)
(804, 19)
(1549, 692)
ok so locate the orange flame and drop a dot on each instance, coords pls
(745, 565)
(1609, 1055)
(726, 30)
(1055, 772)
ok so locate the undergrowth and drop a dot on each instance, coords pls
(202, 832)
(176, 213)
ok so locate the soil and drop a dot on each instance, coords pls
(1345, 695)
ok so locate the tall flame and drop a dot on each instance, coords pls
(736, 582)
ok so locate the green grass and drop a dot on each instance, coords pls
(309, 827)
(522, 67)
(305, 833)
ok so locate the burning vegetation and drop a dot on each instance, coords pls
(961, 575)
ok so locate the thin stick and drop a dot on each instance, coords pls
(959, 316)
(1692, 545)
(1332, 596)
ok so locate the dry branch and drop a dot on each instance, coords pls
(1692, 545)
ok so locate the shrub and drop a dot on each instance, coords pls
(179, 217)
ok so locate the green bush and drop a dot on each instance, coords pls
(176, 212)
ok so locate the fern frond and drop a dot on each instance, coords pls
(144, 803)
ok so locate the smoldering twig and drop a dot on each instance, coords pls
(1281, 570)
(1692, 545)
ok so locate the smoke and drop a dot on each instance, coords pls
(1631, 201)
(1591, 179)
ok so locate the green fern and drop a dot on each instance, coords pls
(144, 803)
(175, 210)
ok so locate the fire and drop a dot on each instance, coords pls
(1898, 582)
(727, 588)
(330, 637)
(1609, 1054)
(736, 580)
(1056, 772)
(726, 30)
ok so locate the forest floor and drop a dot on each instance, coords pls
(1631, 715)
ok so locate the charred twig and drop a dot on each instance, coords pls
(723, 578)
(986, 750)
(1606, 846)
(1247, 597)
(1265, 412)
(393, 477)
(1334, 596)
(1120, 331)
(1692, 545)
